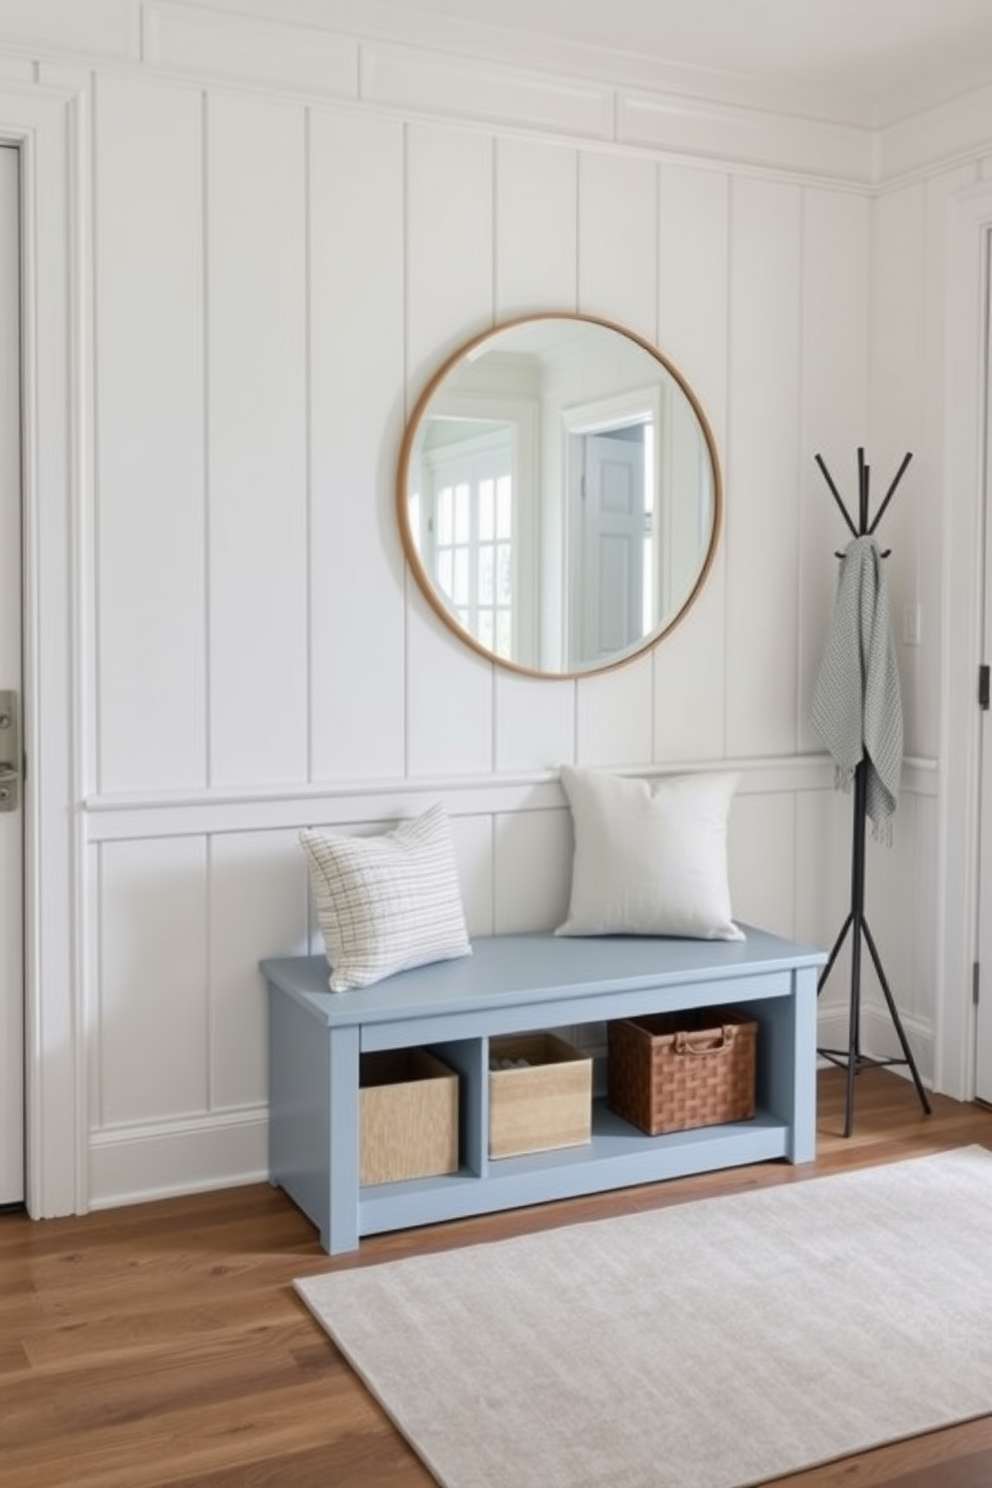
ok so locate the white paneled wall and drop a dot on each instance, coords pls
(150, 524)
(355, 421)
(763, 463)
(834, 377)
(256, 256)
(692, 329)
(153, 1046)
(333, 260)
(280, 261)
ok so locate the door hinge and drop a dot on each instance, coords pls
(975, 983)
(983, 686)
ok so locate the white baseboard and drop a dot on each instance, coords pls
(131, 1165)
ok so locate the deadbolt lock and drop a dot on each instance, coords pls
(10, 753)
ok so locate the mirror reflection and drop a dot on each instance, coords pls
(559, 494)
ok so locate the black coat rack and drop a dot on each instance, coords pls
(852, 1059)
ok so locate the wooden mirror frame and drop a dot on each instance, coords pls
(469, 353)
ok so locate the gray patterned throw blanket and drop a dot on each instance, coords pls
(857, 706)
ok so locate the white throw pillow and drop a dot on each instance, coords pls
(650, 859)
(388, 902)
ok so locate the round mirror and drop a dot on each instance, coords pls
(559, 494)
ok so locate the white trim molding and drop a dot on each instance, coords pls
(44, 122)
(969, 221)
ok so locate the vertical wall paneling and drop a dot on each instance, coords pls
(473, 840)
(153, 1014)
(693, 248)
(149, 436)
(823, 898)
(823, 871)
(536, 228)
(618, 275)
(763, 825)
(449, 245)
(356, 424)
(258, 907)
(899, 384)
(449, 286)
(892, 903)
(257, 289)
(533, 873)
(272, 285)
(763, 467)
(535, 270)
(618, 207)
(836, 328)
(924, 584)
(535, 722)
(614, 715)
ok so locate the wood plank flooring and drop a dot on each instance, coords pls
(163, 1344)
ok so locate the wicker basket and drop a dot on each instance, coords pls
(673, 1071)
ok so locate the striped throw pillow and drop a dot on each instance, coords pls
(389, 902)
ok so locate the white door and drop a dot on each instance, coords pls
(983, 1029)
(611, 529)
(11, 809)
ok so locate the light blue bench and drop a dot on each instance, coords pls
(511, 984)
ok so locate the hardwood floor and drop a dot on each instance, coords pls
(163, 1343)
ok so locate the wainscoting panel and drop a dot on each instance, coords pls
(258, 896)
(618, 233)
(835, 329)
(765, 825)
(257, 453)
(152, 1038)
(149, 534)
(179, 1009)
(763, 441)
(536, 227)
(356, 421)
(535, 722)
(693, 286)
(614, 715)
(449, 237)
(912, 523)
(532, 855)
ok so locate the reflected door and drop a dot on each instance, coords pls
(613, 541)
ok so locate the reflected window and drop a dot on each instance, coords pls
(468, 509)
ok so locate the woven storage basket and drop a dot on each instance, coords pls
(672, 1071)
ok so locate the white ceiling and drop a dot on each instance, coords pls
(861, 60)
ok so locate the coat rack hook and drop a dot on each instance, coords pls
(892, 489)
(836, 494)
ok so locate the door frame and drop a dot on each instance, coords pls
(968, 224)
(46, 121)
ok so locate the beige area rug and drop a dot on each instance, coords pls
(714, 1344)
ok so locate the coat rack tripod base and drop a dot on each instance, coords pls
(852, 1059)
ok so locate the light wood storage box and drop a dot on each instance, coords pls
(408, 1116)
(546, 1105)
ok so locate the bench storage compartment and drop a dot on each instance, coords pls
(408, 1116)
(671, 1072)
(543, 1105)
